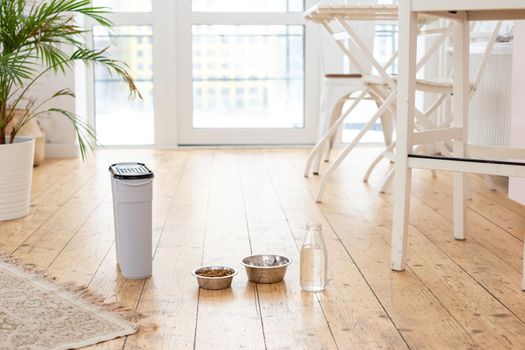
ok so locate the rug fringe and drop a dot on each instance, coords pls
(83, 292)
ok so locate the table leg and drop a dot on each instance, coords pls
(405, 130)
(460, 120)
(523, 271)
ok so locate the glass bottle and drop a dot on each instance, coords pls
(313, 259)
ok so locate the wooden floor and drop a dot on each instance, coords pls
(216, 206)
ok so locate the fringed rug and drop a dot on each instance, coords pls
(36, 314)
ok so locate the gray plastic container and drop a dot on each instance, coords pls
(132, 185)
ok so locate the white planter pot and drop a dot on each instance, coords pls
(16, 172)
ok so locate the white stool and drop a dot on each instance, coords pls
(336, 90)
(336, 20)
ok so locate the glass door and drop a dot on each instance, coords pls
(142, 29)
(116, 119)
(134, 120)
(242, 74)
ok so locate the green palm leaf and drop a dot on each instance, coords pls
(32, 40)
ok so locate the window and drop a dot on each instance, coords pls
(385, 44)
(119, 121)
(269, 57)
(243, 45)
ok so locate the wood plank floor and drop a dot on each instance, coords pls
(216, 206)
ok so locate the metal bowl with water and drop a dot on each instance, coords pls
(266, 268)
(214, 283)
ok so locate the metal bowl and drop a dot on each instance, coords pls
(266, 268)
(214, 283)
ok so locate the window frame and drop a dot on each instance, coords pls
(171, 25)
(188, 135)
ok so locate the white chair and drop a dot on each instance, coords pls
(334, 18)
(336, 90)
(466, 157)
(382, 87)
(340, 82)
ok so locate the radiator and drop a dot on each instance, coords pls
(490, 108)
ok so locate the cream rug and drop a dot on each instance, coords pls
(35, 314)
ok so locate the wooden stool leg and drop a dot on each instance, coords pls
(460, 120)
(337, 111)
(388, 179)
(387, 124)
(352, 144)
(333, 129)
(376, 161)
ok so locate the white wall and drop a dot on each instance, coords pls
(60, 134)
(61, 139)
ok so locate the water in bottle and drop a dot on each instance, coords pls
(313, 260)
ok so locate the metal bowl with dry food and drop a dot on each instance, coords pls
(266, 268)
(214, 277)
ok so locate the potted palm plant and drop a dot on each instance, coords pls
(39, 38)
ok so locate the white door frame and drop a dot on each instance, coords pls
(187, 135)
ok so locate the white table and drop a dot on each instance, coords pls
(466, 156)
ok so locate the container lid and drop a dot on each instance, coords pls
(130, 171)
